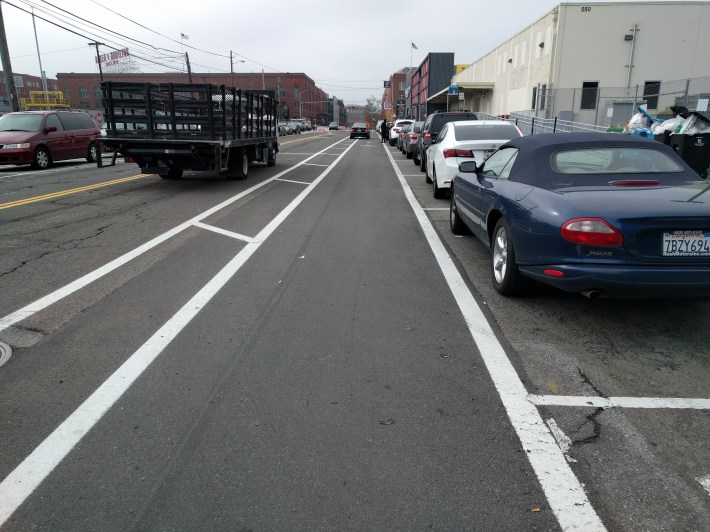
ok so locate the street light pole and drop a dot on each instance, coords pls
(231, 65)
(300, 102)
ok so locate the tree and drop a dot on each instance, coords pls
(373, 110)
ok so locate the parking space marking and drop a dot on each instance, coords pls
(315, 164)
(78, 284)
(27, 476)
(436, 209)
(620, 402)
(563, 490)
(221, 231)
(298, 182)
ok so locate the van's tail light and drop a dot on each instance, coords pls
(450, 152)
(591, 232)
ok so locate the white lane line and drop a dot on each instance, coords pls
(705, 483)
(297, 182)
(562, 489)
(316, 164)
(293, 153)
(20, 484)
(620, 402)
(413, 175)
(90, 277)
(436, 209)
(224, 232)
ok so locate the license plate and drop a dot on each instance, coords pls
(686, 244)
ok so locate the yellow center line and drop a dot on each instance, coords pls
(69, 192)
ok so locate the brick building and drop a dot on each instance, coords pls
(393, 98)
(298, 93)
(27, 84)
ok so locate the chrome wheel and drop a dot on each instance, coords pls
(500, 255)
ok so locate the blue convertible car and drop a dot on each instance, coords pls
(601, 214)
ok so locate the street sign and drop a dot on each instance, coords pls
(387, 84)
(453, 90)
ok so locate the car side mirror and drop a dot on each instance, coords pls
(50, 129)
(468, 167)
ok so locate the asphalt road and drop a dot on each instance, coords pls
(309, 349)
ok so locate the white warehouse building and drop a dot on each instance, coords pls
(595, 62)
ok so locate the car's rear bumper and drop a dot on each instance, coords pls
(625, 281)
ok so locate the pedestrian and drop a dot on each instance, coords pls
(384, 130)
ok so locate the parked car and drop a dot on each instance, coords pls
(458, 141)
(394, 130)
(294, 126)
(40, 138)
(401, 136)
(359, 129)
(412, 137)
(333, 125)
(600, 214)
(432, 125)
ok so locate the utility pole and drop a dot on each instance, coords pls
(231, 66)
(7, 66)
(98, 58)
(263, 83)
(189, 70)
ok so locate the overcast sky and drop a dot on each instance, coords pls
(348, 47)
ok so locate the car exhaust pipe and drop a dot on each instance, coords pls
(592, 294)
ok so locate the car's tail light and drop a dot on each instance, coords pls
(450, 152)
(591, 232)
(427, 135)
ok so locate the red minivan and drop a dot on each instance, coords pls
(41, 137)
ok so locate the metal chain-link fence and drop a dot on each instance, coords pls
(614, 106)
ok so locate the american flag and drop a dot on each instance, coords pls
(184, 37)
(414, 46)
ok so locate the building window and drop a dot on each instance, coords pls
(67, 93)
(589, 95)
(97, 92)
(402, 85)
(83, 92)
(534, 99)
(543, 94)
(296, 92)
(651, 89)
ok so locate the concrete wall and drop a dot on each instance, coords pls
(585, 42)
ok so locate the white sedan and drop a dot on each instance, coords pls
(463, 141)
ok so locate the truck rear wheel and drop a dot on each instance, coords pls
(239, 169)
(271, 157)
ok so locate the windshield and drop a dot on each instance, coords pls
(613, 160)
(20, 122)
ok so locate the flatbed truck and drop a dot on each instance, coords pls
(167, 128)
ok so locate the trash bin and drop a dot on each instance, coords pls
(695, 150)
(664, 137)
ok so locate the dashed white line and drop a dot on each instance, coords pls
(436, 209)
(562, 489)
(292, 181)
(224, 232)
(25, 478)
(315, 164)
